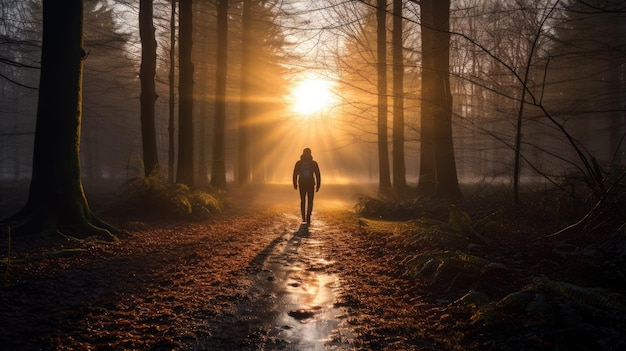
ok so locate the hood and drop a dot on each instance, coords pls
(306, 157)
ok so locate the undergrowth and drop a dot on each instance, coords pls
(153, 196)
(499, 264)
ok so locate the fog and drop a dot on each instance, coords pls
(577, 81)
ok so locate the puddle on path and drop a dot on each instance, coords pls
(294, 295)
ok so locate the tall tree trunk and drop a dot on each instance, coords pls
(202, 130)
(202, 90)
(438, 174)
(218, 167)
(384, 178)
(447, 180)
(427, 176)
(148, 97)
(171, 153)
(244, 98)
(185, 169)
(399, 168)
(56, 200)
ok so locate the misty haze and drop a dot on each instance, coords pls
(313, 175)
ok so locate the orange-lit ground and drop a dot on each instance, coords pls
(252, 279)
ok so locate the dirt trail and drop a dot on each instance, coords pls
(291, 303)
(255, 280)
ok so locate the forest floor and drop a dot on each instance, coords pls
(253, 278)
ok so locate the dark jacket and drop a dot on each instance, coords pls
(314, 166)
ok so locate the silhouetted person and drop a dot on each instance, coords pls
(306, 174)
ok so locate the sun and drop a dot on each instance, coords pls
(311, 96)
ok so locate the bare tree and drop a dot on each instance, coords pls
(245, 92)
(172, 95)
(399, 169)
(520, 115)
(148, 96)
(185, 170)
(384, 181)
(438, 175)
(56, 200)
(218, 168)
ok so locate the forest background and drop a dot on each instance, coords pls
(540, 80)
(495, 96)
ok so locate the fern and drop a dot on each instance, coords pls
(480, 304)
(203, 205)
(459, 220)
(595, 297)
(431, 234)
(153, 195)
(461, 223)
(446, 266)
(516, 301)
(552, 301)
(473, 299)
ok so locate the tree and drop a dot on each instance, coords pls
(438, 175)
(148, 96)
(204, 47)
(356, 68)
(185, 170)
(520, 115)
(56, 200)
(109, 94)
(171, 152)
(266, 83)
(218, 168)
(399, 169)
(384, 184)
(243, 159)
(587, 82)
(20, 40)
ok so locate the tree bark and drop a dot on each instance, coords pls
(399, 168)
(147, 72)
(428, 176)
(171, 154)
(185, 170)
(384, 178)
(218, 167)
(56, 200)
(243, 160)
(438, 98)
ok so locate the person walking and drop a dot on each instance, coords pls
(306, 175)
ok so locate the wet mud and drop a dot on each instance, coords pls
(291, 303)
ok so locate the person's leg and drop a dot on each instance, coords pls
(310, 195)
(302, 202)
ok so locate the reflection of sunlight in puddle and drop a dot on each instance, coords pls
(313, 292)
(308, 317)
(304, 294)
(296, 292)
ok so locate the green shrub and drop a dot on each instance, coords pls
(152, 195)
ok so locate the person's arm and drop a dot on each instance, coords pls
(295, 175)
(318, 177)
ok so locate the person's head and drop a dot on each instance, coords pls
(306, 151)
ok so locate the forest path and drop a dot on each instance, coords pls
(291, 303)
(251, 279)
